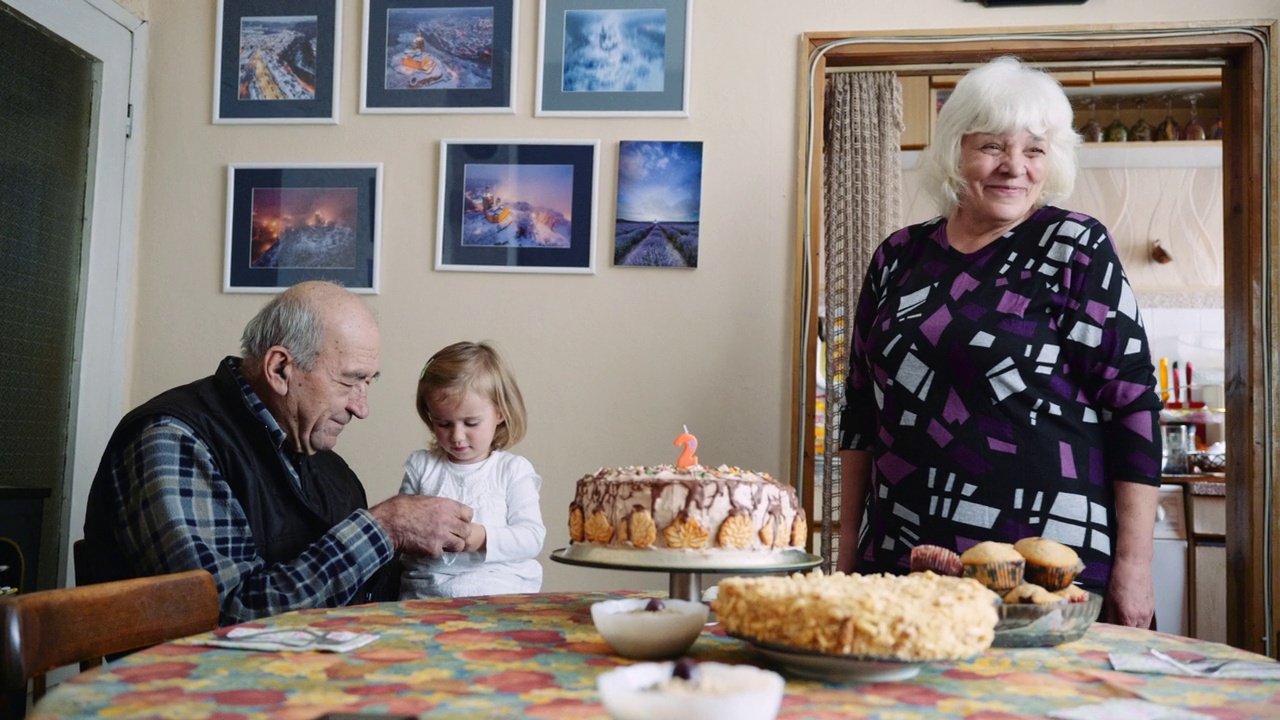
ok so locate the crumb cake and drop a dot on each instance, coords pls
(651, 515)
(917, 617)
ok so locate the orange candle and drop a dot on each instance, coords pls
(690, 443)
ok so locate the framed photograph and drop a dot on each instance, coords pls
(438, 56)
(659, 204)
(277, 61)
(289, 223)
(614, 57)
(517, 205)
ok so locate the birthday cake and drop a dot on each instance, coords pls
(664, 514)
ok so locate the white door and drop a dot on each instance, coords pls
(115, 43)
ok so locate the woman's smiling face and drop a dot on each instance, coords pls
(1004, 176)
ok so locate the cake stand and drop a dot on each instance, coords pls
(686, 577)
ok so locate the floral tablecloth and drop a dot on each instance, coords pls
(537, 656)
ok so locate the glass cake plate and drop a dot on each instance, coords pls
(831, 667)
(787, 560)
(1045, 625)
(685, 568)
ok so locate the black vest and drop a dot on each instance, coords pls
(283, 519)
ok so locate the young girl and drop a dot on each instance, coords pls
(471, 402)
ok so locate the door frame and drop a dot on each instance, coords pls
(1250, 217)
(117, 40)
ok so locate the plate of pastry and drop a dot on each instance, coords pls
(829, 667)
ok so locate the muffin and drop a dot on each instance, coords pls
(996, 565)
(938, 559)
(1050, 564)
(1031, 594)
(1073, 594)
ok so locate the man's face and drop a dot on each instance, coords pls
(323, 400)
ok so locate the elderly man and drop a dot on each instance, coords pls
(236, 473)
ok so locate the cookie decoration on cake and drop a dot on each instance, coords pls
(699, 514)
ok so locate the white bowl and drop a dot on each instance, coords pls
(635, 633)
(743, 692)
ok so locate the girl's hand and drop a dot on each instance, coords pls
(476, 538)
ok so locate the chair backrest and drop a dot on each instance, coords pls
(44, 630)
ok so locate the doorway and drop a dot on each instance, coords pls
(88, 209)
(1246, 55)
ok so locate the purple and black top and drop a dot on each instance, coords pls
(1001, 393)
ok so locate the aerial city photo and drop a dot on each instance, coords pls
(439, 48)
(278, 57)
(517, 205)
(304, 228)
(614, 50)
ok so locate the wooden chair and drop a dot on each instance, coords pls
(44, 630)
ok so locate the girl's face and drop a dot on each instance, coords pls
(1004, 176)
(464, 426)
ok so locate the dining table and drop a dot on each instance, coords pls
(539, 655)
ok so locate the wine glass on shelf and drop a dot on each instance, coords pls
(1141, 130)
(1091, 131)
(1169, 129)
(1117, 131)
(1193, 129)
(1216, 132)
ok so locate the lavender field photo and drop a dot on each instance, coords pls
(659, 204)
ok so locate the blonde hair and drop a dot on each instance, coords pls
(1001, 96)
(468, 367)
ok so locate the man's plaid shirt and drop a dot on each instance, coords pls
(178, 513)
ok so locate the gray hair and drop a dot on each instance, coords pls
(1002, 96)
(290, 319)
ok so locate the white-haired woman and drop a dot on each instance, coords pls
(1000, 385)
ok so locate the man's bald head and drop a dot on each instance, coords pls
(297, 318)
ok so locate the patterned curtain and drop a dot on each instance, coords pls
(862, 187)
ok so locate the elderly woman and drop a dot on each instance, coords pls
(1000, 385)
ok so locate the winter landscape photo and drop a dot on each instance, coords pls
(277, 58)
(659, 204)
(439, 48)
(313, 228)
(615, 50)
(517, 205)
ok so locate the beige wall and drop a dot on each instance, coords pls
(612, 364)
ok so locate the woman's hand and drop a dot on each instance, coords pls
(855, 471)
(1131, 598)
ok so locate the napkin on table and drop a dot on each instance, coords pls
(1155, 661)
(1128, 709)
(278, 639)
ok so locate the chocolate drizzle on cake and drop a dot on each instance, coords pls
(689, 508)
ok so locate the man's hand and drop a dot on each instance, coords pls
(424, 525)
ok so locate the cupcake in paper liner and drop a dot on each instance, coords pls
(996, 565)
(938, 559)
(1050, 564)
